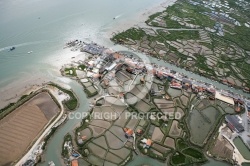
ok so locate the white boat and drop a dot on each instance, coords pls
(51, 163)
(30, 52)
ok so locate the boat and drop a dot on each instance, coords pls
(51, 163)
(12, 48)
(75, 155)
(30, 52)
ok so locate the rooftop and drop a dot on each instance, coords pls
(233, 120)
(129, 132)
(74, 163)
(226, 99)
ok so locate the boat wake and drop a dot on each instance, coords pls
(118, 16)
(7, 48)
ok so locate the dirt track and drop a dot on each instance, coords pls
(19, 129)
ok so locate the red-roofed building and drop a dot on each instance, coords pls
(74, 163)
(237, 109)
(175, 85)
(117, 55)
(128, 132)
(139, 132)
(149, 142)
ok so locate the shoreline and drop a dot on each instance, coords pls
(15, 90)
(27, 83)
(123, 24)
(26, 89)
(37, 140)
(47, 128)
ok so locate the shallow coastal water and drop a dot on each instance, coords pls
(44, 27)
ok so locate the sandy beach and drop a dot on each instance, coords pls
(13, 91)
(32, 82)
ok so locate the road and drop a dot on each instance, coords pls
(47, 129)
(245, 120)
(143, 25)
(236, 155)
(244, 134)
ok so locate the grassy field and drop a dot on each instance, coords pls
(181, 144)
(215, 64)
(10, 107)
(65, 151)
(72, 103)
(67, 71)
(193, 153)
(82, 66)
(133, 33)
(178, 159)
(181, 35)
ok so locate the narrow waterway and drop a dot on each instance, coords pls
(180, 70)
(44, 27)
(54, 147)
(53, 151)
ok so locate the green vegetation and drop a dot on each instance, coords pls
(193, 153)
(133, 33)
(82, 66)
(67, 138)
(178, 158)
(181, 35)
(70, 71)
(155, 156)
(165, 129)
(184, 10)
(12, 106)
(244, 150)
(181, 144)
(6, 110)
(72, 103)
(172, 24)
(83, 126)
(215, 59)
(245, 164)
(153, 16)
(200, 63)
(241, 38)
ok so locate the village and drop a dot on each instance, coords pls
(120, 83)
(204, 37)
